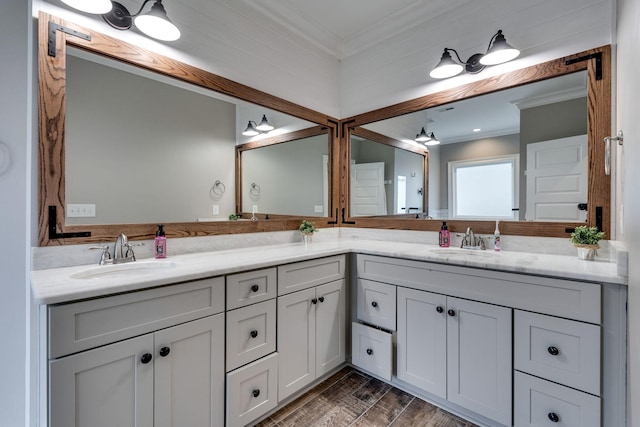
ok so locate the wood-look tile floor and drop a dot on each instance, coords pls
(352, 398)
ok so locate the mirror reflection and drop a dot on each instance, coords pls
(144, 148)
(517, 154)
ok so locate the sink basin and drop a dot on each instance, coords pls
(464, 252)
(136, 268)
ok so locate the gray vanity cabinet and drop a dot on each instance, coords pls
(167, 370)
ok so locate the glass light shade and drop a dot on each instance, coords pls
(264, 125)
(432, 140)
(156, 24)
(250, 130)
(422, 136)
(447, 67)
(499, 52)
(90, 6)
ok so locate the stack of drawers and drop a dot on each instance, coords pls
(252, 363)
(557, 377)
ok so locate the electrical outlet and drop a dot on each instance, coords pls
(216, 209)
(254, 209)
(318, 209)
(81, 211)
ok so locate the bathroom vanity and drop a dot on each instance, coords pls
(227, 337)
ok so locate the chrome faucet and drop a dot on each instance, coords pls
(122, 250)
(470, 241)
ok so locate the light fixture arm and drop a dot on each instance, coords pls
(495, 36)
(457, 55)
(144, 3)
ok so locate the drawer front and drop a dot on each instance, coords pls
(307, 274)
(252, 391)
(560, 350)
(251, 287)
(563, 298)
(88, 324)
(377, 304)
(371, 350)
(251, 333)
(540, 403)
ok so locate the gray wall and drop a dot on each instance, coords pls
(476, 149)
(160, 147)
(410, 165)
(552, 121)
(290, 177)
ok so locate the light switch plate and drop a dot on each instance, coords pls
(81, 210)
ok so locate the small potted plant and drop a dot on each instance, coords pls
(307, 229)
(234, 217)
(585, 239)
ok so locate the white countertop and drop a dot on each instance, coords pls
(56, 285)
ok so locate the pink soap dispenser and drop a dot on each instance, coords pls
(160, 243)
(445, 236)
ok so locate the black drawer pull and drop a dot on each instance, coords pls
(439, 309)
(321, 299)
(256, 392)
(164, 351)
(553, 417)
(254, 333)
(255, 288)
(369, 351)
(314, 301)
(146, 358)
(553, 351)
(451, 312)
(374, 304)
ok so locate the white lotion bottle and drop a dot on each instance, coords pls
(496, 238)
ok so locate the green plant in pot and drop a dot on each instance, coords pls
(586, 239)
(307, 229)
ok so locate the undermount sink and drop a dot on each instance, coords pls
(464, 252)
(137, 268)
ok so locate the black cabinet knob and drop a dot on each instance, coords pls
(553, 351)
(255, 288)
(256, 392)
(321, 299)
(314, 301)
(146, 358)
(369, 351)
(553, 417)
(374, 304)
(451, 312)
(164, 351)
(254, 333)
(439, 309)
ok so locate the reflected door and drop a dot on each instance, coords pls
(367, 189)
(557, 179)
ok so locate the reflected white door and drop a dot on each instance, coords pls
(557, 179)
(367, 189)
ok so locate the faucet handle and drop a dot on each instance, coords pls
(104, 256)
(129, 252)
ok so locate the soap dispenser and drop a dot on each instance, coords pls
(444, 237)
(160, 243)
(496, 238)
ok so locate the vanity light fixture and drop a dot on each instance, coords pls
(155, 23)
(254, 129)
(498, 52)
(95, 7)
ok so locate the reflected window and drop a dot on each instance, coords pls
(484, 189)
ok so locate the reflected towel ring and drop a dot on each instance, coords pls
(217, 190)
(255, 189)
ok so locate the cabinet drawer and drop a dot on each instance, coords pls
(251, 333)
(87, 324)
(251, 287)
(307, 274)
(560, 350)
(377, 304)
(252, 391)
(540, 403)
(371, 350)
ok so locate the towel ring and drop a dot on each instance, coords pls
(217, 190)
(254, 190)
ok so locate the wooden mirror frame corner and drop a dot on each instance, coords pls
(597, 63)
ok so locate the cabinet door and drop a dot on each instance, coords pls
(296, 341)
(479, 356)
(422, 340)
(105, 387)
(189, 379)
(330, 326)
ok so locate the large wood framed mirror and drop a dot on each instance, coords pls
(561, 112)
(185, 145)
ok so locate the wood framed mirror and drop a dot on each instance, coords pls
(52, 70)
(596, 63)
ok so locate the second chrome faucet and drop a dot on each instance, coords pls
(122, 251)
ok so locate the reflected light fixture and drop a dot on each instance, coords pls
(426, 138)
(155, 23)
(254, 129)
(498, 52)
(95, 6)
